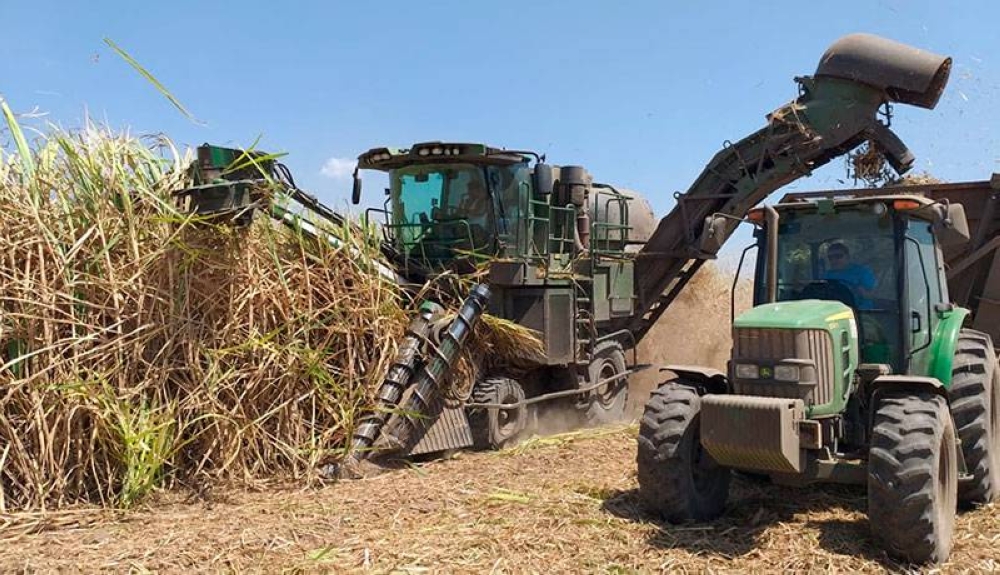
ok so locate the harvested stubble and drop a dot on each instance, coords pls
(565, 504)
(140, 347)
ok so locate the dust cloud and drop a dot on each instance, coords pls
(696, 329)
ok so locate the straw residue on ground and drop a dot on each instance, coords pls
(564, 504)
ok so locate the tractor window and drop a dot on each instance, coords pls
(847, 256)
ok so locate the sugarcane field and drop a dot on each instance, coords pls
(481, 288)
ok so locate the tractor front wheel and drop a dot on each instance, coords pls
(913, 476)
(678, 479)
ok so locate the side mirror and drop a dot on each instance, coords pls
(356, 191)
(543, 180)
(952, 228)
(713, 235)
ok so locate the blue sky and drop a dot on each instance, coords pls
(642, 93)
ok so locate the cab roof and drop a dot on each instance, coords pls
(385, 158)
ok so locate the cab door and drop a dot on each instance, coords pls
(925, 289)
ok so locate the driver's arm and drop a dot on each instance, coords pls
(866, 282)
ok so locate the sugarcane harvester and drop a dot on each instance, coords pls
(584, 264)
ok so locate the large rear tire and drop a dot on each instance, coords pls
(975, 405)
(606, 404)
(678, 480)
(913, 476)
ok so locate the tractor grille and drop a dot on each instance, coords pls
(765, 346)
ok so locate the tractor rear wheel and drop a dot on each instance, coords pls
(975, 405)
(495, 428)
(678, 479)
(606, 404)
(913, 476)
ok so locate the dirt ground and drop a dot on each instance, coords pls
(565, 504)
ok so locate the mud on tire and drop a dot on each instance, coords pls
(975, 406)
(913, 476)
(677, 479)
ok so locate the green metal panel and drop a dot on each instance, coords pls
(601, 299)
(549, 311)
(942, 351)
(621, 288)
(832, 317)
(804, 314)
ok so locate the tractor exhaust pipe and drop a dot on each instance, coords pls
(771, 221)
(906, 74)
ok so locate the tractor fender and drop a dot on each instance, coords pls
(909, 382)
(944, 344)
(708, 380)
(914, 383)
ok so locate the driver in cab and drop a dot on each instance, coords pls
(474, 209)
(859, 278)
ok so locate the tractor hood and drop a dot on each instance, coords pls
(800, 314)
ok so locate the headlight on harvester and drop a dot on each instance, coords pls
(786, 373)
(747, 371)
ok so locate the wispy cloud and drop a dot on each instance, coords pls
(338, 168)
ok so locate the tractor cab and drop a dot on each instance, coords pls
(451, 203)
(880, 256)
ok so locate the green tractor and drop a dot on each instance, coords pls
(853, 366)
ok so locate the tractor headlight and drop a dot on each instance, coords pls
(786, 373)
(747, 371)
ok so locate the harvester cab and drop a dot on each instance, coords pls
(450, 204)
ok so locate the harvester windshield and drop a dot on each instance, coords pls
(439, 209)
(442, 211)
